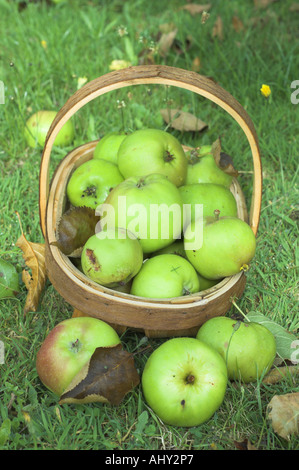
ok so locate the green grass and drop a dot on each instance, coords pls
(82, 40)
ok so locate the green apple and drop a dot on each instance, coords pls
(152, 151)
(37, 126)
(211, 196)
(68, 347)
(149, 206)
(227, 246)
(9, 280)
(202, 168)
(112, 257)
(108, 146)
(248, 348)
(165, 276)
(91, 182)
(184, 381)
(177, 248)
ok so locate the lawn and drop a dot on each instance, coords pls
(46, 52)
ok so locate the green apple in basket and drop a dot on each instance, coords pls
(108, 146)
(177, 248)
(148, 206)
(91, 182)
(219, 246)
(152, 151)
(68, 347)
(211, 196)
(112, 257)
(184, 381)
(202, 168)
(165, 276)
(248, 348)
(37, 127)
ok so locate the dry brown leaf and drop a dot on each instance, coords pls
(106, 378)
(237, 24)
(280, 373)
(196, 64)
(182, 121)
(244, 445)
(263, 3)
(217, 31)
(294, 7)
(283, 411)
(195, 8)
(166, 41)
(223, 160)
(34, 257)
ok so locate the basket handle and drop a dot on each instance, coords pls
(153, 74)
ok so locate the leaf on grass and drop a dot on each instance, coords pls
(279, 373)
(244, 445)
(294, 7)
(166, 41)
(75, 227)
(107, 377)
(284, 339)
(263, 3)
(34, 256)
(237, 24)
(223, 160)
(283, 411)
(195, 8)
(217, 31)
(5, 429)
(182, 121)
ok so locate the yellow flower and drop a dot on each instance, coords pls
(266, 91)
(81, 81)
(44, 44)
(119, 64)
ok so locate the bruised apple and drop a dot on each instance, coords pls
(68, 347)
(112, 257)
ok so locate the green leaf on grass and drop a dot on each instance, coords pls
(5, 431)
(284, 338)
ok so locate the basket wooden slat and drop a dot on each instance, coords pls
(155, 317)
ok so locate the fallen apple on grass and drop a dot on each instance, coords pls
(228, 246)
(37, 126)
(248, 348)
(90, 183)
(68, 346)
(184, 381)
(112, 257)
(9, 280)
(165, 276)
(152, 151)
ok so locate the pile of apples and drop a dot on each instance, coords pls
(168, 220)
(129, 180)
